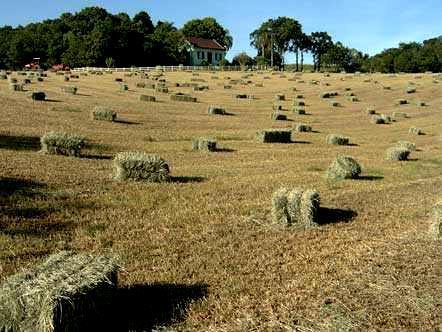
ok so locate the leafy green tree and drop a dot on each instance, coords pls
(208, 28)
(242, 59)
(321, 42)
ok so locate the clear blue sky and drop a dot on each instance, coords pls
(369, 26)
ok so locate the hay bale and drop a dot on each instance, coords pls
(215, 110)
(325, 95)
(298, 110)
(227, 87)
(299, 96)
(274, 136)
(415, 131)
(3, 77)
(298, 103)
(141, 85)
(62, 144)
(411, 89)
(66, 79)
(302, 128)
(406, 145)
(276, 107)
(353, 99)
(335, 104)
(70, 89)
(278, 116)
(103, 114)
(124, 87)
(40, 79)
(295, 207)
(12, 80)
(377, 119)
(16, 87)
(401, 102)
(386, 118)
(182, 97)
(420, 103)
(436, 222)
(343, 167)
(140, 166)
(67, 292)
(397, 154)
(279, 97)
(38, 95)
(147, 98)
(204, 144)
(162, 89)
(335, 139)
(241, 96)
(371, 110)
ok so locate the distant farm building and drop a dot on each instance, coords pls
(204, 51)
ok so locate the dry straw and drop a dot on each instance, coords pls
(62, 144)
(58, 295)
(343, 167)
(295, 207)
(141, 166)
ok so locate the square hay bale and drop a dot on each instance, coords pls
(201, 88)
(353, 99)
(343, 167)
(40, 79)
(12, 80)
(141, 166)
(204, 144)
(415, 131)
(215, 110)
(436, 222)
(141, 85)
(411, 89)
(67, 292)
(71, 89)
(280, 97)
(302, 128)
(62, 144)
(162, 89)
(277, 107)
(325, 95)
(103, 114)
(66, 78)
(276, 116)
(401, 102)
(38, 95)
(377, 119)
(420, 103)
(295, 207)
(124, 87)
(335, 139)
(3, 77)
(26, 81)
(335, 104)
(299, 110)
(227, 87)
(274, 136)
(182, 97)
(147, 98)
(16, 87)
(241, 96)
(298, 103)
(397, 153)
(386, 118)
(371, 110)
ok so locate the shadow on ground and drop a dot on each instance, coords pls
(333, 216)
(187, 179)
(19, 143)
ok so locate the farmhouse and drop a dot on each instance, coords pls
(204, 51)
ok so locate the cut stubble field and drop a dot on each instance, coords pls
(202, 249)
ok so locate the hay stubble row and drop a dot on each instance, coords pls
(208, 226)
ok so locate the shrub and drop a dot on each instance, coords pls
(299, 110)
(295, 207)
(70, 89)
(103, 114)
(26, 81)
(415, 131)
(140, 166)
(38, 95)
(336, 139)
(182, 97)
(406, 145)
(214, 110)
(204, 144)
(343, 167)
(300, 127)
(147, 98)
(436, 222)
(278, 116)
(62, 144)
(397, 153)
(16, 87)
(274, 136)
(64, 293)
(279, 97)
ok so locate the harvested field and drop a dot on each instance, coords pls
(369, 265)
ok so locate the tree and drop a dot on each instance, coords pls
(321, 42)
(242, 59)
(208, 28)
(109, 62)
(305, 45)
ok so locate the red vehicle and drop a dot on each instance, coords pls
(34, 65)
(61, 67)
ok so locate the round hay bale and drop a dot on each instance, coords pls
(397, 154)
(343, 167)
(335, 139)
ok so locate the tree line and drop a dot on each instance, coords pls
(95, 37)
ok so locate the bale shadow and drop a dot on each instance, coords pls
(333, 216)
(352, 144)
(143, 307)
(9, 186)
(302, 142)
(96, 157)
(370, 178)
(224, 150)
(53, 101)
(126, 122)
(20, 143)
(187, 179)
